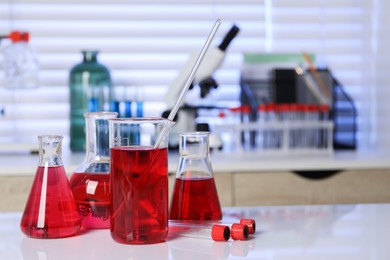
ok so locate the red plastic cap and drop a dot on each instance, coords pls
(15, 36)
(239, 231)
(251, 223)
(324, 108)
(220, 233)
(19, 36)
(246, 109)
(262, 107)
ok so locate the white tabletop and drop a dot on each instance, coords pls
(290, 232)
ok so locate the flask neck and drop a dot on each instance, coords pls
(194, 144)
(97, 136)
(90, 56)
(194, 156)
(50, 150)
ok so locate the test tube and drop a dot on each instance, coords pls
(324, 117)
(215, 232)
(239, 231)
(246, 134)
(261, 133)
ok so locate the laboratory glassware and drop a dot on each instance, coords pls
(139, 179)
(90, 91)
(90, 181)
(51, 210)
(195, 195)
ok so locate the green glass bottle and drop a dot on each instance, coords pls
(90, 91)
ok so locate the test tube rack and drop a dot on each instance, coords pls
(278, 137)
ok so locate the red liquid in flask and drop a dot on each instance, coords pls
(139, 194)
(52, 214)
(91, 192)
(195, 199)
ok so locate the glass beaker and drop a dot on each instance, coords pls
(139, 179)
(195, 195)
(51, 210)
(90, 181)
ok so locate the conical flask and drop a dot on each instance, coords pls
(90, 182)
(195, 195)
(51, 211)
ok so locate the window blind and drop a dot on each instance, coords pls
(145, 43)
(339, 33)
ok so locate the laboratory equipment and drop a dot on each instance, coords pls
(139, 180)
(90, 91)
(238, 231)
(21, 68)
(90, 181)
(215, 232)
(203, 77)
(195, 195)
(51, 210)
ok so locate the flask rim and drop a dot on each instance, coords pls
(195, 134)
(101, 115)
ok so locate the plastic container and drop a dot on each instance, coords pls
(90, 91)
(90, 181)
(21, 66)
(51, 210)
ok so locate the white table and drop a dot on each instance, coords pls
(283, 232)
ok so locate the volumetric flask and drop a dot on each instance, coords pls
(51, 211)
(139, 179)
(90, 182)
(195, 195)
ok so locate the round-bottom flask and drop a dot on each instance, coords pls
(90, 182)
(51, 211)
(195, 195)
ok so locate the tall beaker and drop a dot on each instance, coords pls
(139, 179)
(90, 181)
(51, 211)
(195, 195)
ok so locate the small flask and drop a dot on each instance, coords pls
(195, 195)
(90, 182)
(51, 210)
(90, 91)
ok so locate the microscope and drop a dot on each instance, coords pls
(185, 118)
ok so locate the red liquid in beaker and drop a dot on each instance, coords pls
(195, 199)
(59, 215)
(139, 194)
(91, 192)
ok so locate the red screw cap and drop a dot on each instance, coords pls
(220, 233)
(251, 223)
(239, 231)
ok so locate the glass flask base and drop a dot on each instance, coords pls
(195, 199)
(51, 211)
(91, 192)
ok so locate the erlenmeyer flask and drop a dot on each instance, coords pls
(90, 182)
(195, 195)
(51, 211)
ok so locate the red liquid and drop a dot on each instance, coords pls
(61, 217)
(195, 199)
(91, 192)
(139, 194)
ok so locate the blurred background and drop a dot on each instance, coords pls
(144, 44)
